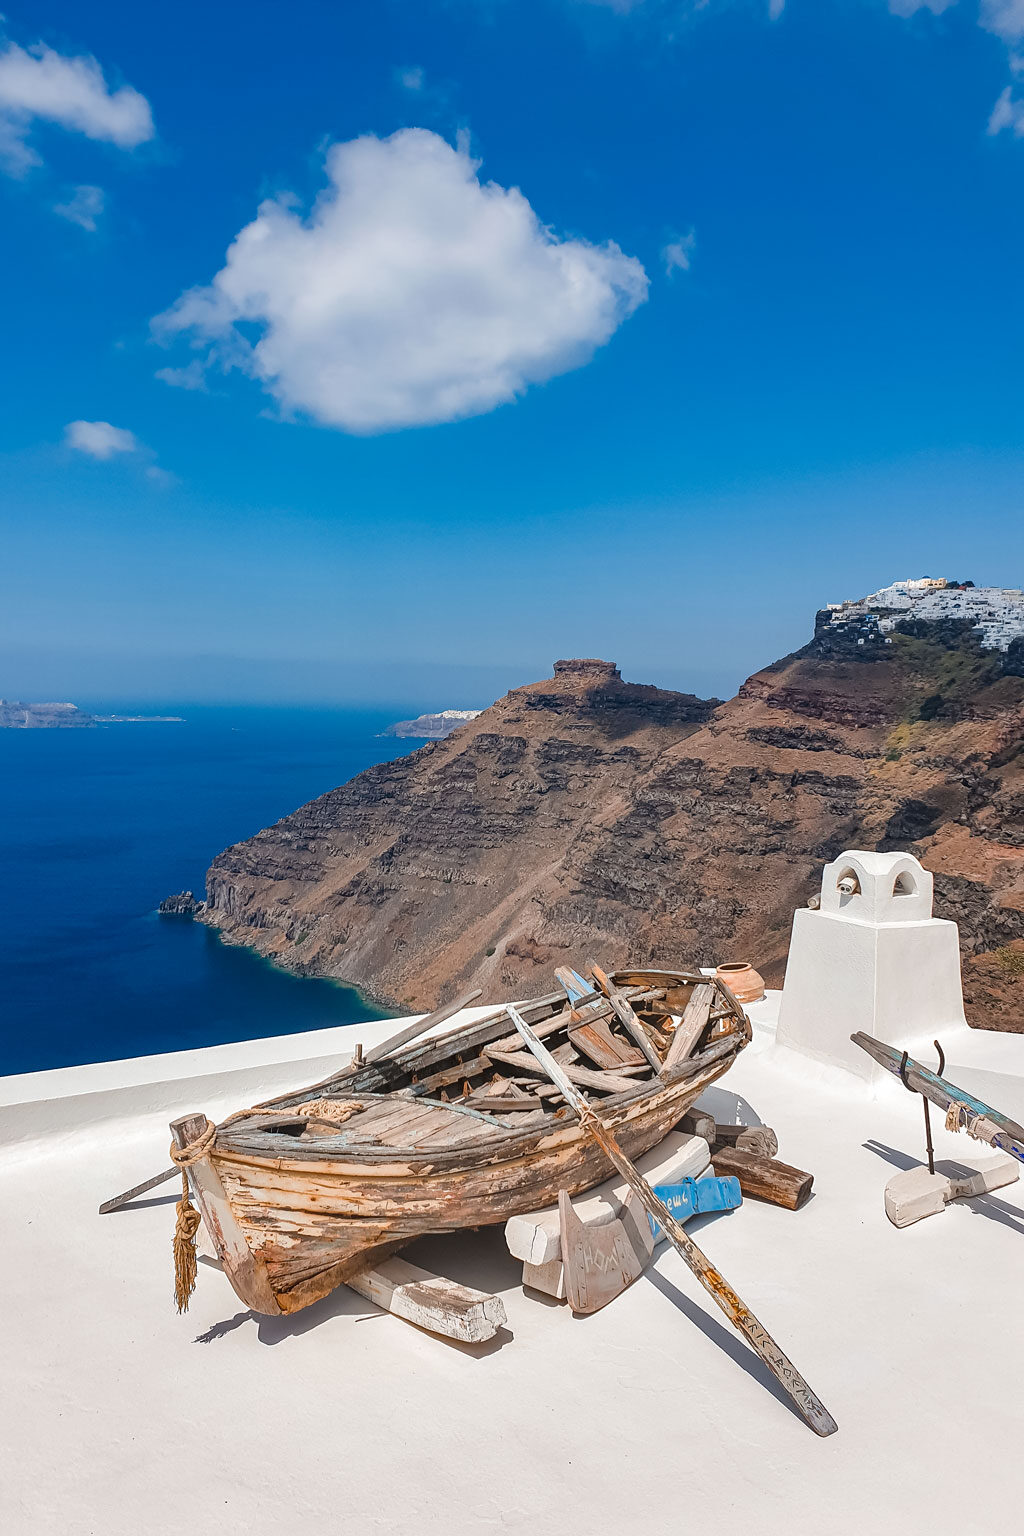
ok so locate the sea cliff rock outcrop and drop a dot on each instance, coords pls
(584, 814)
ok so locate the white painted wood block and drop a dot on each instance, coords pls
(549, 1278)
(430, 1301)
(914, 1194)
(536, 1237)
(994, 1175)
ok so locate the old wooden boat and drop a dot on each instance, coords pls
(456, 1130)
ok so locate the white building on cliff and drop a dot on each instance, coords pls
(996, 613)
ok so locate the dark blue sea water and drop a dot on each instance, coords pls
(98, 825)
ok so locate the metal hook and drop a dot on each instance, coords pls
(924, 1101)
(942, 1057)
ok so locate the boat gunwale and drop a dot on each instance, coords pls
(510, 1143)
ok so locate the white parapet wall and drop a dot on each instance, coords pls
(871, 958)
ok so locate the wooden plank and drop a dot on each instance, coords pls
(550, 1026)
(492, 1104)
(430, 1301)
(624, 1013)
(444, 1079)
(605, 1050)
(117, 1201)
(246, 1272)
(765, 1178)
(608, 1082)
(691, 1026)
(809, 1405)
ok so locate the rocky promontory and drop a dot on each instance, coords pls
(587, 815)
(431, 727)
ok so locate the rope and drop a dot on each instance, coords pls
(187, 1218)
(959, 1118)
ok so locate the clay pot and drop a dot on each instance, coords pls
(745, 984)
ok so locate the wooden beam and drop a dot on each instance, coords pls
(765, 1178)
(430, 1301)
(759, 1139)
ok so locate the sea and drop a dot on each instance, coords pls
(98, 824)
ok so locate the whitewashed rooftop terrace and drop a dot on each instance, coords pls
(119, 1416)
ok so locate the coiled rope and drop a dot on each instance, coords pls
(187, 1218)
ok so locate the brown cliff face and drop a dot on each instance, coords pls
(587, 815)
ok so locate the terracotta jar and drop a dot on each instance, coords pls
(745, 984)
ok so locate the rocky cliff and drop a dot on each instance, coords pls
(588, 815)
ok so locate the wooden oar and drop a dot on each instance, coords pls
(421, 1026)
(988, 1124)
(410, 1032)
(140, 1189)
(785, 1372)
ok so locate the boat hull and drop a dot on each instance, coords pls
(312, 1221)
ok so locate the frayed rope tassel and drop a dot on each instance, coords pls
(187, 1219)
(186, 1225)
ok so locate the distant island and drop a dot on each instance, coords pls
(16, 715)
(432, 727)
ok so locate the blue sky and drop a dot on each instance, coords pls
(745, 340)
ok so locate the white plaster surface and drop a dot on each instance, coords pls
(119, 1416)
(872, 958)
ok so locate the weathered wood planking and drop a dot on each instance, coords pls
(626, 1016)
(607, 1082)
(316, 1201)
(312, 1225)
(430, 1301)
(244, 1269)
(691, 1025)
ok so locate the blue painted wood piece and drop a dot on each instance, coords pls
(583, 987)
(694, 1197)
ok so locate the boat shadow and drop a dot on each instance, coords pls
(979, 1205)
(473, 1259)
(727, 1108)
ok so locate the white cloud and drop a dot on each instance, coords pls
(910, 7)
(83, 207)
(1008, 112)
(1003, 17)
(39, 83)
(192, 376)
(411, 294)
(99, 439)
(678, 253)
(775, 9)
(412, 79)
